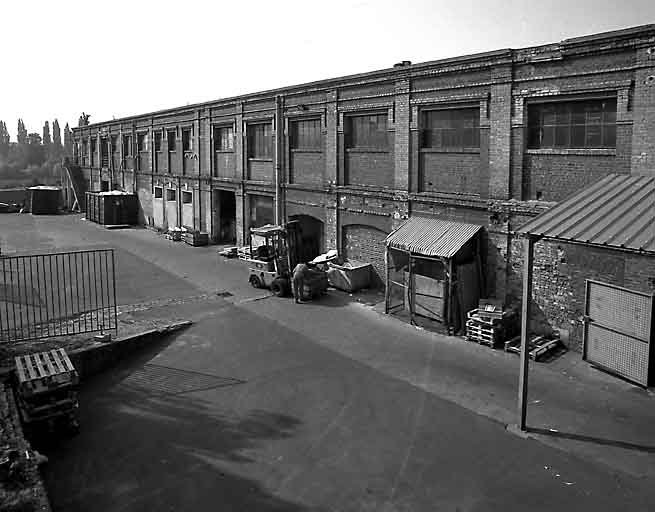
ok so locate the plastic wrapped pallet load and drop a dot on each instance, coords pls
(351, 276)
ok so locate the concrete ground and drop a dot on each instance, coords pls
(265, 405)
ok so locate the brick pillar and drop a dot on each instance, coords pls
(500, 109)
(331, 169)
(643, 128)
(401, 138)
(239, 142)
(331, 151)
(241, 220)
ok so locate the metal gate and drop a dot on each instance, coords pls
(47, 295)
(618, 330)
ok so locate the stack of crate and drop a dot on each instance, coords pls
(195, 238)
(485, 323)
(47, 388)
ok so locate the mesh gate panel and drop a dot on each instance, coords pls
(618, 331)
(622, 354)
(620, 309)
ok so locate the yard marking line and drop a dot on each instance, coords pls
(417, 418)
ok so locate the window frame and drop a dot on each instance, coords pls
(218, 138)
(564, 121)
(159, 137)
(161, 193)
(173, 139)
(142, 142)
(350, 136)
(453, 128)
(187, 145)
(170, 197)
(187, 194)
(265, 140)
(317, 139)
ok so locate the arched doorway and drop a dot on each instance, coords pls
(311, 237)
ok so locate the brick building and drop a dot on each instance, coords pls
(490, 139)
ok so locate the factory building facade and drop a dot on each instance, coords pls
(491, 139)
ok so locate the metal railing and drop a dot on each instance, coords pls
(57, 294)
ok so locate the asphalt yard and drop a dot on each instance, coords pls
(263, 405)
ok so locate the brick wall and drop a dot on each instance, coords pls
(560, 273)
(369, 168)
(557, 176)
(260, 170)
(306, 167)
(450, 172)
(225, 165)
(366, 244)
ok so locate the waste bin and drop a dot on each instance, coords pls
(351, 276)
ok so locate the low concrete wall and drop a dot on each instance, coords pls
(93, 360)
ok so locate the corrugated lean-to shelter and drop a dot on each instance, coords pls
(433, 270)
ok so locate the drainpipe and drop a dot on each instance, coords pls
(279, 138)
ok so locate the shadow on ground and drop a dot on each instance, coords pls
(196, 444)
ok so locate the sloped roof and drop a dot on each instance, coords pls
(431, 236)
(617, 212)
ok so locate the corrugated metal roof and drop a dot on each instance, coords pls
(616, 212)
(431, 236)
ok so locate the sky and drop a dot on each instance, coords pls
(126, 57)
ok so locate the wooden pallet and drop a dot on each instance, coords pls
(537, 346)
(44, 371)
(481, 333)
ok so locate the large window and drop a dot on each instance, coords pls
(223, 138)
(572, 124)
(260, 141)
(451, 129)
(368, 132)
(305, 134)
(127, 145)
(170, 137)
(157, 141)
(93, 150)
(187, 140)
(142, 142)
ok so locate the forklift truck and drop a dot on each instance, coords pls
(273, 256)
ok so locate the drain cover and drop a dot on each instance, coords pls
(154, 378)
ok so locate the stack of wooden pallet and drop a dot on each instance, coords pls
(47, 388)
(485, 324)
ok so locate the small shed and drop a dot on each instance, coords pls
(616, 215)
(434, 270)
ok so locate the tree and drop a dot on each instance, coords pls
(22, 132)
(46, 134)
(35, 150)
(4, 139)
(68, 141)
(56, 134)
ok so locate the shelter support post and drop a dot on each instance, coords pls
(528, 257)
(387, 289)
(411, 288)
(449, 317)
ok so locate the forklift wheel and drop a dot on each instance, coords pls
(279, 287)
(254, 281)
